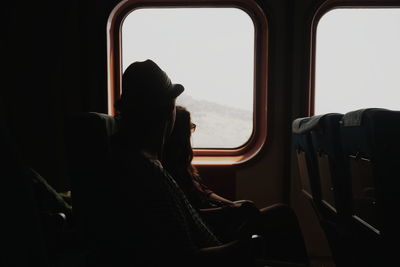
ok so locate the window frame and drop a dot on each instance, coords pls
(202, 156)
(323, 9)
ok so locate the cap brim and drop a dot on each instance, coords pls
(169, 93)
(176, 90)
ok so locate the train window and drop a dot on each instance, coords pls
(357, 60)
(209, 48)
(211, 52)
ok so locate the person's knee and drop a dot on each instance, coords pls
(249, 209)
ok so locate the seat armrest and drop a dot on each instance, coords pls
(210, 210)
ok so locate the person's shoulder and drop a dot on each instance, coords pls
(141, 167)
(156, 169)
(135, 161)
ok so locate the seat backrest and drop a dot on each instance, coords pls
(308, 168)
(21, 232)
(315, 139)
(88, 153)
(333, 169)
(371, 144)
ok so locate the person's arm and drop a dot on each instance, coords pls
(215, 197)
(209, 194)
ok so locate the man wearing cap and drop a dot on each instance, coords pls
(155, 223)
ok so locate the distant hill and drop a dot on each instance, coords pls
(218, 126)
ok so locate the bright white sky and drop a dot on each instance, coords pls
(210, 51)
(358, 60)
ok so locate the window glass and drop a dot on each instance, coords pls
(211, 52)
(357, 60)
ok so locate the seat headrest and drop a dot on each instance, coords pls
(355, 118)
(95, 121)
(307, 124)
(88, 135)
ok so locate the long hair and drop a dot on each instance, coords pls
(178, 153)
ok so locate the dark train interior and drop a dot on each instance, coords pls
(320, 141)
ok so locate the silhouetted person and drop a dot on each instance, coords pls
(154, 223)
(231, 219)
(178, 155)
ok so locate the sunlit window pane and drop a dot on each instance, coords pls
(357, 60)
(211, 52)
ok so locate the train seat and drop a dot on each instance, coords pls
(307, 163)
(87, 139)
(33, 219)
(334, 178)
(332, 169)
(371, 145)
(21, 231)
(317, 143)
